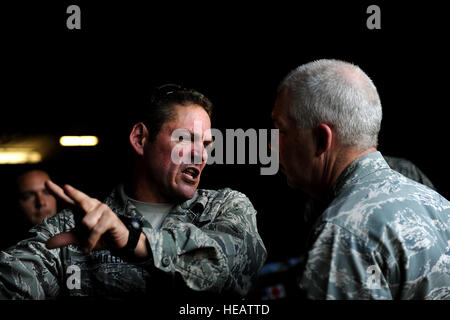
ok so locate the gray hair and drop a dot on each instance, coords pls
(337, 93)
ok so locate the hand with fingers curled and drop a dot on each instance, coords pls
(100, 227)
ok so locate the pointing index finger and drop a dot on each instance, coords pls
(81, 199)
(59, 192)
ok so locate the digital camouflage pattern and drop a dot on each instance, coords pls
(383, 236)
(208, 243)
(409, 170)
(311, 207)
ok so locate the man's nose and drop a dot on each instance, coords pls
(41, 200)
(198, 152)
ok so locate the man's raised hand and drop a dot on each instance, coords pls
(104, 229)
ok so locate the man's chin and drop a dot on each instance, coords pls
(36, 221)
(184, 193)
(292, 183)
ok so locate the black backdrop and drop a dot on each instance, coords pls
(58, 81)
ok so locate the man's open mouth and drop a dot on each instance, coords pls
(192, 172)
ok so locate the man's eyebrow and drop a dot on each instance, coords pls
(27, 191)
(32, 191)
(194, 135)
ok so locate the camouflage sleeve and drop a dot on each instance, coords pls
(28, 270)
(225, 254)
(339, 266)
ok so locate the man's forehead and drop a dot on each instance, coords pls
(192, 110)
(196, 126)
(33, 176)
(32, 187)
(275, 112)
(198, 131)
(189, 113)
(280, 106)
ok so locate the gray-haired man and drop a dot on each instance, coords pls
(382, 235)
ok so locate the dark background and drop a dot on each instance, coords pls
(57, 81)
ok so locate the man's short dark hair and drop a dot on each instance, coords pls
(162, 102)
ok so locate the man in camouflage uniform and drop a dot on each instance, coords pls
(381, 235)
(277, 279)
(158, 236)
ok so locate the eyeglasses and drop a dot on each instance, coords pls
(169, 88)
(162, 92)
(165, 90)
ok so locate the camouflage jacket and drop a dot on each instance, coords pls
(383, 236)
(311, 207)
(208, 243)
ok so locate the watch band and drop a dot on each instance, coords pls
(134, 227)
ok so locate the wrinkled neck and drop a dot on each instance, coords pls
(332, 166)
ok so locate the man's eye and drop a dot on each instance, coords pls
(208, 144)
(26, 196)
(184, 139)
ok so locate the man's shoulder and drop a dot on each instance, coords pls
(408, 169)
(386, 189)
(377, 202)
(224, 193)
(223, 199)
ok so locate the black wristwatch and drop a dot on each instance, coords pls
(134, 226)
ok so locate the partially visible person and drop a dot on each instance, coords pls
(409, 169)
(35, 201)
(381, 235)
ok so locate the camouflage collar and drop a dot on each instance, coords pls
(359, 169)
(118, 202)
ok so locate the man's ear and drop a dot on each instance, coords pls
(324, 137)
(138, 138)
